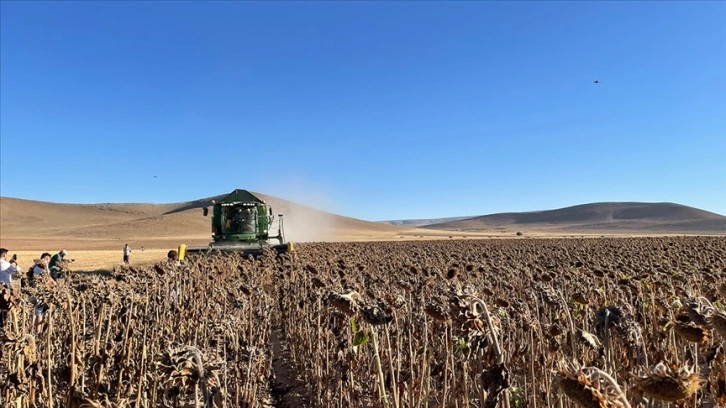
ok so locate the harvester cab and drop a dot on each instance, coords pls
(241, 222)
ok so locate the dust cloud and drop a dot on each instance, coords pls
(307, 225)
(304, 206)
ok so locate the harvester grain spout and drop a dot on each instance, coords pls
(241, 223)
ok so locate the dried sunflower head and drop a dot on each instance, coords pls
(717, 377)
(718, 322)
(8, 299)
(347, 303)
(375, 315)
(665, 384)
(579, 388)
(606, 318)
(580, 298)
(437, 313)
(691, 332)
(589, 387)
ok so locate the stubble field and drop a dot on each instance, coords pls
(97, 260)
(538, 323)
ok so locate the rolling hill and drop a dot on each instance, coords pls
(37, 224)
(420, 222)
(27, 224)
(625, 217)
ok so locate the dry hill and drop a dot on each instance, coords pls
(420, 222)
(36, 224)
(27, 224)
(623, 217)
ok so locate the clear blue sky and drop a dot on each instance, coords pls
(376, 110)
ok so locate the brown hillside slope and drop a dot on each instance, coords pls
(26, 216)
(625, 216)
(36, 224)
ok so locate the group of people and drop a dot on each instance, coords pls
(47, 263)
(45, 269)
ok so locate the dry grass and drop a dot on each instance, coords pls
(98, 260)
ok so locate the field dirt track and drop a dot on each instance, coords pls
(610, 322)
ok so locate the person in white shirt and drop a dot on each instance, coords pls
(7, 268)
(127, 253)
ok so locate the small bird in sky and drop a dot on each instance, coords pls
(154, 176)
(597, 81)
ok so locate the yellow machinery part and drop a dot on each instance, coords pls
(182, 251)
(290, 247)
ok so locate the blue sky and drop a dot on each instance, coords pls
(375, 110)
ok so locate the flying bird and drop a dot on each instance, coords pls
(597, 81)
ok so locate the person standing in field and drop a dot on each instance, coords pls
(39, 266)
(127, 253)
(172, 257)
(39, 274)
(55, 269)
(7, 268)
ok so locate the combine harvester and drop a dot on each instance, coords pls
(241, 224)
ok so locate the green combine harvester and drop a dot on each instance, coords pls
(241, 224)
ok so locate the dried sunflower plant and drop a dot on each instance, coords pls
(609, 322)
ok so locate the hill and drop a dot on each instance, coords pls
(420, 222)
(626, 217)
(37, 224)
(28, 224)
